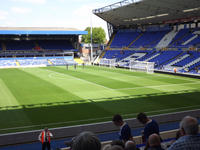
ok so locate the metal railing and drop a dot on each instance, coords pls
(115, 5)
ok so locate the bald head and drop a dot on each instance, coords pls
(189, 125)
(154, 140)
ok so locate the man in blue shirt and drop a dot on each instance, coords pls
(125, 130)
(190, 139)
(151, 126)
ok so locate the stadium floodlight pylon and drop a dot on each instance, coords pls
(107, 62)
(142, 66)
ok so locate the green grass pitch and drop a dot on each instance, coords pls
(32, 98)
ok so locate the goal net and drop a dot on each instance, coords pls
(142, 66)
(107, 62)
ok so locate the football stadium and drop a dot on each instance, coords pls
(150, 64)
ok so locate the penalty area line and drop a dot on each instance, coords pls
(80, 79)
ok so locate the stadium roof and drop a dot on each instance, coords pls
(143, 12)
(39, 31)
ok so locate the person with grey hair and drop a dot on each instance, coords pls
(190, 139)
(86, 141)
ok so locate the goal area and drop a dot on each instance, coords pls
(141, 66)
(107, 62)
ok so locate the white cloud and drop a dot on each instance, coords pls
(31, 1)
(84, 13)
(8, 24)
(3, 14)
(20, 10)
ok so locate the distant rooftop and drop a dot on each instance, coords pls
(40, 31)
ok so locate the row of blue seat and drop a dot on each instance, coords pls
(152, 38)
(192, 56)
(12, 62)
(160, 58)
(36, 44)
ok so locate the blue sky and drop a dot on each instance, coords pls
(51, 13)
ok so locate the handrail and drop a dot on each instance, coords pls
(114, 6)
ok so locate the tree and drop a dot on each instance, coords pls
(98, 36)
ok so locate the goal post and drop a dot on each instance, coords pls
(141, 66)
(107, 62)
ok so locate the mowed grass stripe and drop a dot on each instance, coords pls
(80, 88)
(104, 81)
(139, 81)
(146, 84)
(155, 76)
(164, 88)
(6, 97)
(131, 102)
(29, 89)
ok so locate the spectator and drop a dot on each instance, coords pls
(106, 147)
(45, 138)
(178, 135)
(151, 126)
(86, 141)
(125, 130)
(118, 142)
(130, 145)
(116, 147)
(154, 142)
(190, 139)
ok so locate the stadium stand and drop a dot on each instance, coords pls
(167, 47)
(36, 61)
(178, 39)
(149, 39)
(55, 44)
(124, 38)
(1, 46)
(180, 57)
(19, 45)
(192, 56)
(37, 45)
(186, 38)
(164, 56)
(7, 62)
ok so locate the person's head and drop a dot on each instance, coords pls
(46, 129)
(154, 140)
(106, 147)
(118, 142)
(130, 145)
(86, 141)
(117, 120)
(142, 118)
(189, 126)
(116, 147)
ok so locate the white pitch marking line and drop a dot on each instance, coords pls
(157, 86)
(163, 110)
(80, 79)
(155, 74)
(172, 77)
(133, 76)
